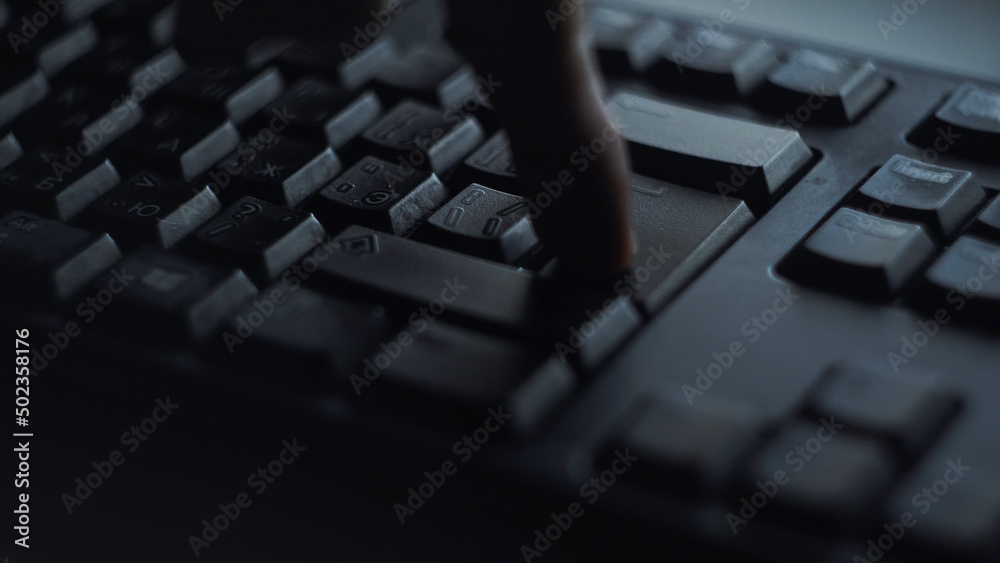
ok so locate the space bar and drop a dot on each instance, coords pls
(710, 152)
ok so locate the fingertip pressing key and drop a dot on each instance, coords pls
(549, 99)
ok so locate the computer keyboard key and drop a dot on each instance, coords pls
(482, 108)
(279, 170)
(718, 154)
(429, 72)
(380, 195)
(967, 276)
(125, 114)
(678, 233)
(225, 91)
(67, 47)
(903, 412)
(986, 224)
(317, 111)
(49, 259)
(21, 87)
(423, 137)
(65, 113)
(678, 230)
(153, 20)
(485, 223)
(862, 255)
(60, 17)
(502, 298)
(294, 332)
(152, 209)
(57, 183)
(712, 63)
(350, 69)
(813, 85)
(627, 43)
(372, 262)
(493, 165)
(177, 143)
(170, 296)
(155, 73)
(822, 471)
(588, 327)
(907, 189)
(25, 40)
(262, 238)
(688, 451)
(457, 375)
(967, 123)
(112, 62)
(10, 150)
(20, 50)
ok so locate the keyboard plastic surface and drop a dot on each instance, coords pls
(335, 247)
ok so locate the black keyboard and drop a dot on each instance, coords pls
(801, 364)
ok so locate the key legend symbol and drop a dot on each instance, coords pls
(378, 197)
(270, 170)
(357, 246)
(163, 281)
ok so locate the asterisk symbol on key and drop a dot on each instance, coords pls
(270, 170)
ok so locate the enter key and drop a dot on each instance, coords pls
(679, 231)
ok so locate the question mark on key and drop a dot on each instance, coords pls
(247, 209)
